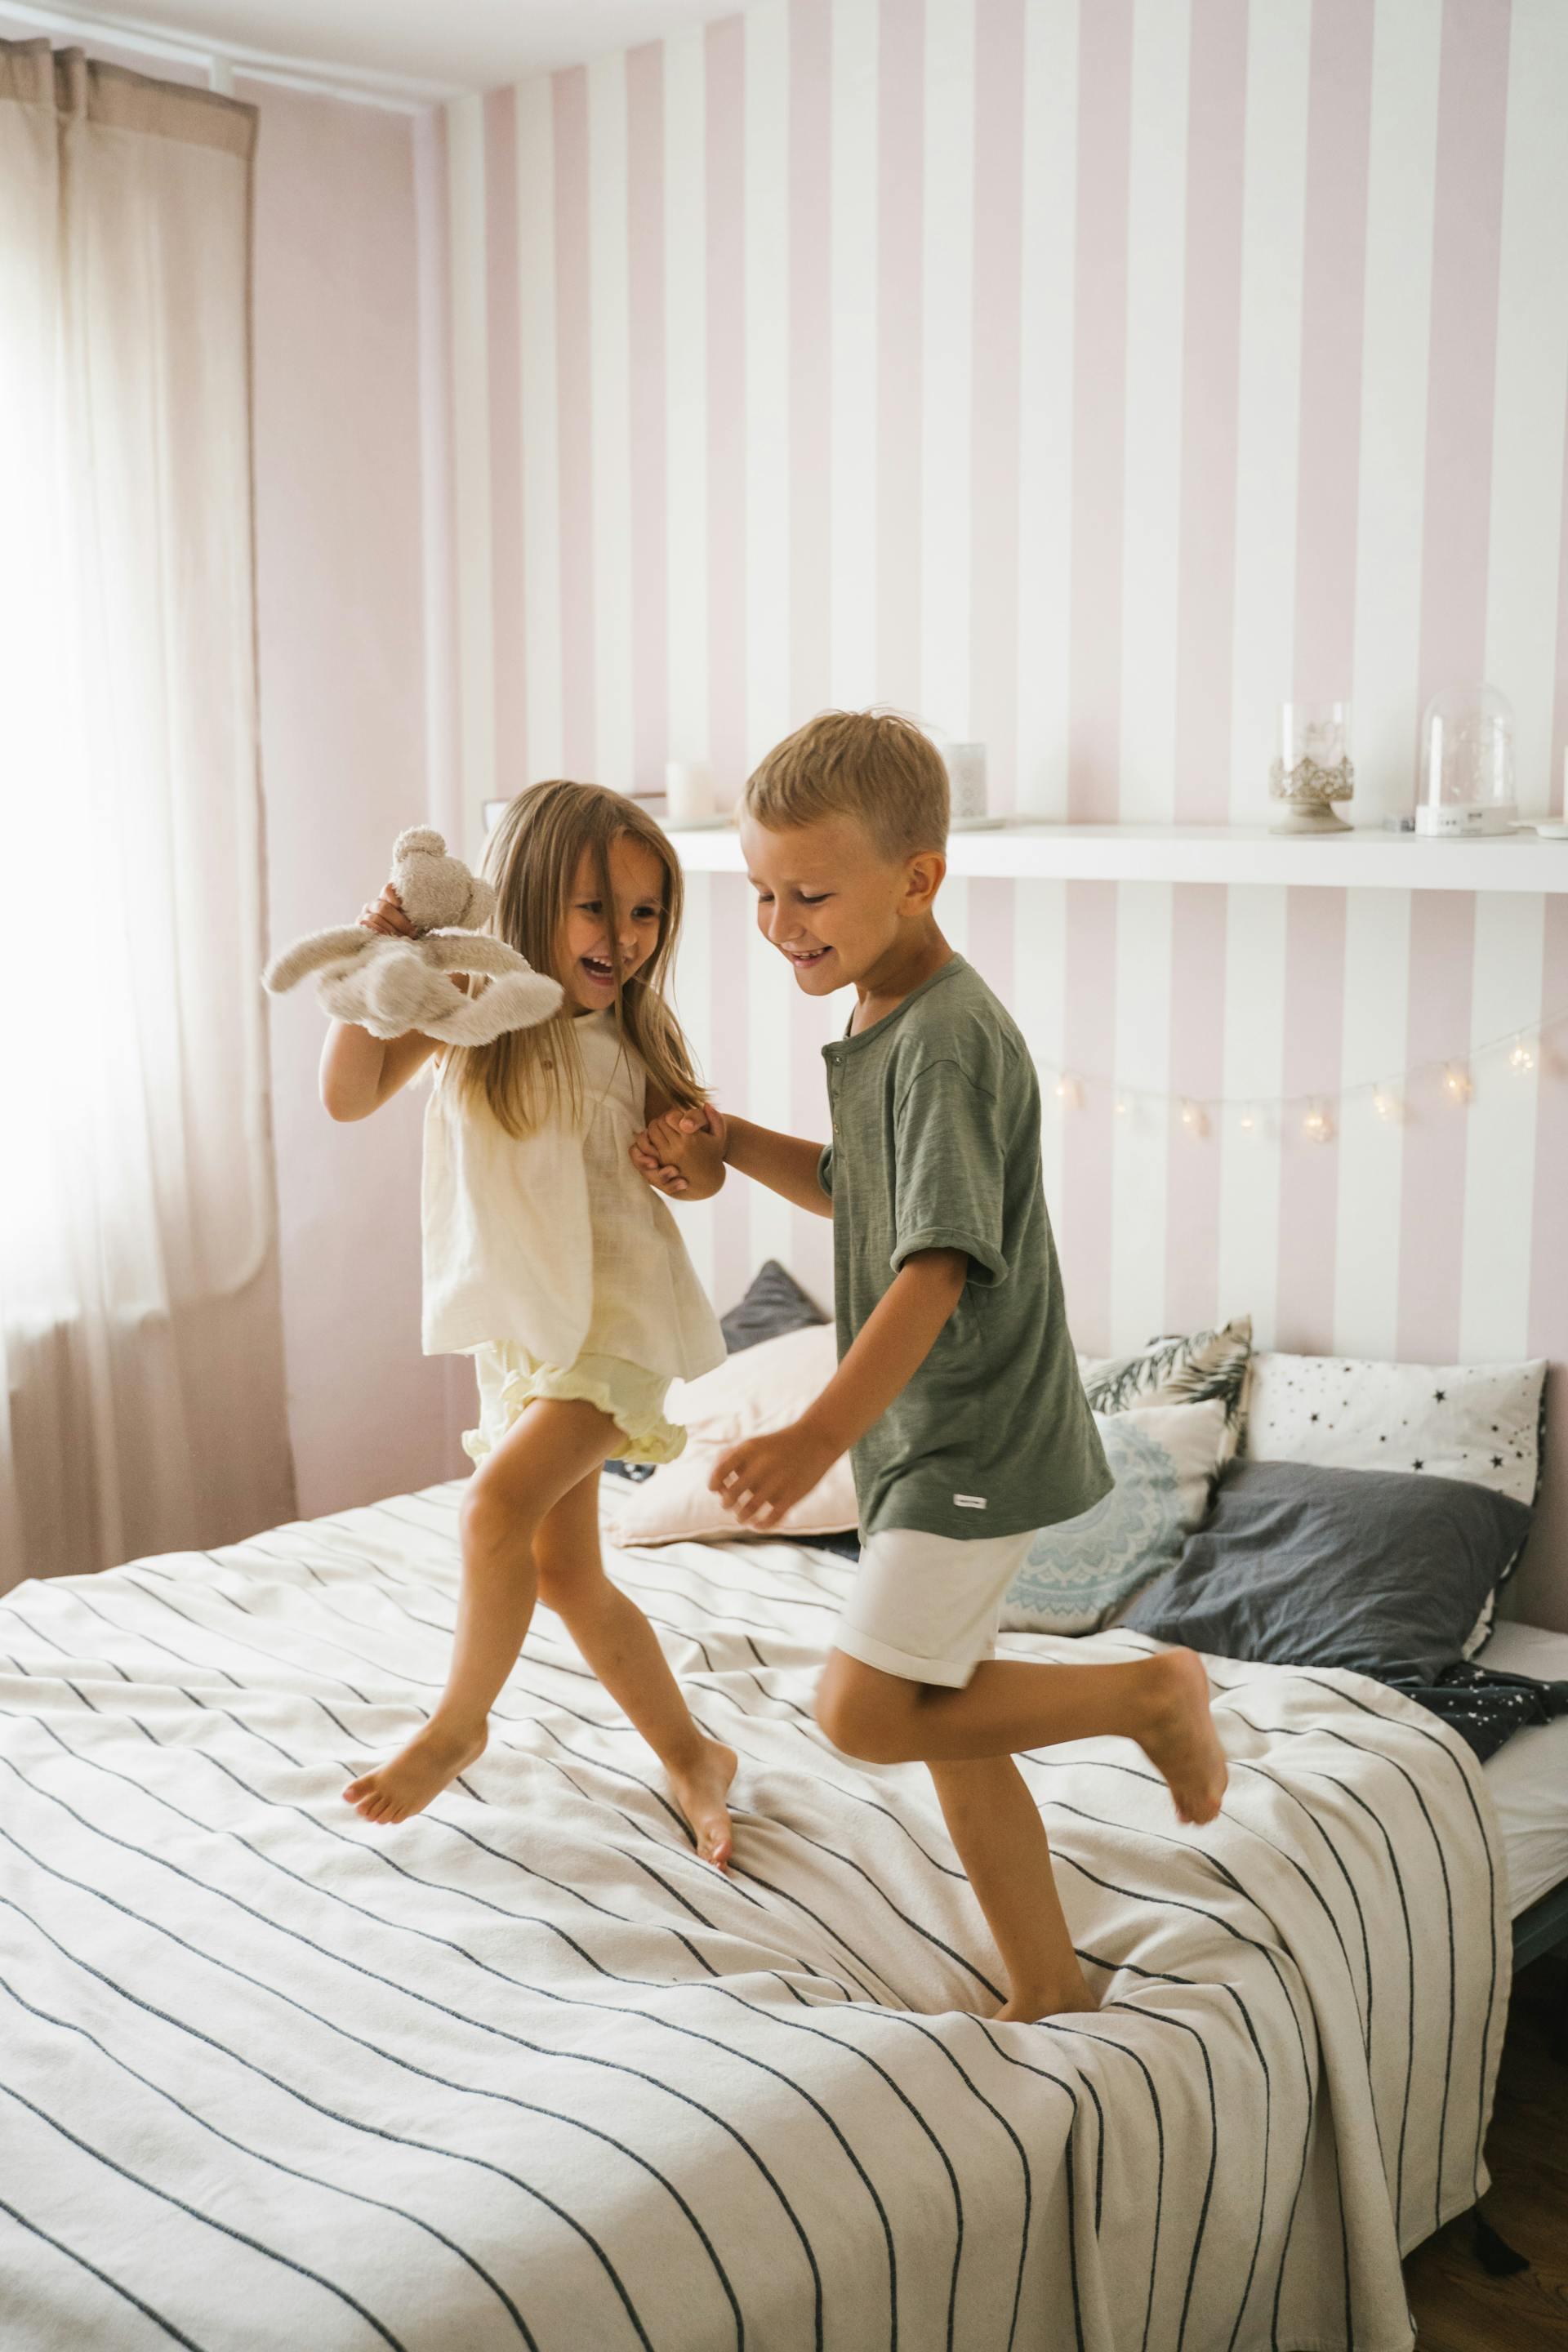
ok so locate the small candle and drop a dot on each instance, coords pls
(689, 790)
(965, 765)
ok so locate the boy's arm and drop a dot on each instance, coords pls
(786, 1164)
(763, 1477)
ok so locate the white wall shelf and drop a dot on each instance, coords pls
(1367, 858)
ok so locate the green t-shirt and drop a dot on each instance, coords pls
(936, 1145)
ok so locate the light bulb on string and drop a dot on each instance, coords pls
(1193, 1119)
(1520, 1058)
(1457, 1083)
(1122, 1106)
(1246, 1121)
(1069, 1094)
(1317, 1126)
(1385, 1103)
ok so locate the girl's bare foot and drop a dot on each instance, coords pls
(1178, 1736)
(700, 1788)
(1050, 2000)
(419, 1772)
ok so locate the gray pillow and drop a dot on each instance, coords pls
(1377, 1570)
(775, 1303)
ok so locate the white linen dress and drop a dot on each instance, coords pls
(550, 1261)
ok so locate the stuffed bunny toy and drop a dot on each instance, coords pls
(391, 986)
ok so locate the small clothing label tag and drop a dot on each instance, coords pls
(970, 1502)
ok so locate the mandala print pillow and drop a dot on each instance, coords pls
(1165, 1460)
(1178, 1371)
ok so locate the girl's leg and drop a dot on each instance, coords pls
(1009, 1704)
(1001, 1841)
(618, 1642)
(553, 1446)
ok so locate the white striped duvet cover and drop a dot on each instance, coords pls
(523, 2072)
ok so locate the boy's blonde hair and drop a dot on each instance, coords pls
(527, 1076)
(873, 765)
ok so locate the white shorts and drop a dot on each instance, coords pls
(927, 1607)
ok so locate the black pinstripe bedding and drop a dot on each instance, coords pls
(524, 2071)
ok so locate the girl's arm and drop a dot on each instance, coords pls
(360, 1072)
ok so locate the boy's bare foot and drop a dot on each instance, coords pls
(1058, 2000)
(415, 1774)
(701, 1789)
(1178, 1735)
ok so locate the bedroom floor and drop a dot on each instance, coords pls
(1458, 2307)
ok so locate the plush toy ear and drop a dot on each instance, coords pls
(286, 971)
(419, 841)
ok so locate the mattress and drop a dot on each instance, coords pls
(523, 2072)
(1527, 1777)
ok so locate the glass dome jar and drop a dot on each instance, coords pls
(1467, 764)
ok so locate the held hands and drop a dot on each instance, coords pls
(682, 1153)
(763, 1477)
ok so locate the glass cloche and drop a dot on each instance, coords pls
(1466, 763)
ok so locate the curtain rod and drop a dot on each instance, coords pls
(221, 61)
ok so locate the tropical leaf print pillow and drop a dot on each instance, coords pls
(1179, 1370)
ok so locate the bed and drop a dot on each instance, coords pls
(525, 2071)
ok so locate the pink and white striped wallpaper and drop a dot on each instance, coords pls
(1088, 376)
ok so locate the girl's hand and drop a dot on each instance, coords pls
(385, 915)
(763, 1477)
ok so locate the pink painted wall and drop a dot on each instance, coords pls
(343, 725)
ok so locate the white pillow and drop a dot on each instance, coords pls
(1481, 1423)
(1165, 1460)
(762, 1389)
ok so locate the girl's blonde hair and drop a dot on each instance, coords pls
(528, 1075)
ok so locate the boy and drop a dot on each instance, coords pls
(957, 1392)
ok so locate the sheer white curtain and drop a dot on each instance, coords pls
(139, 1323)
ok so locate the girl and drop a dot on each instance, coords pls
(550, 1261)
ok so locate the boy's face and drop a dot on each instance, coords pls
(835, 907)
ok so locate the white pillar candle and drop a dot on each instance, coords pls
(689, 790)
(965, 765)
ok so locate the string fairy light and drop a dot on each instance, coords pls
(1318, 1115)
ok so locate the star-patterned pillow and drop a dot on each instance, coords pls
(1480, 1422)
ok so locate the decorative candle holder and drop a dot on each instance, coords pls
(1313, 769)
(1466, 765)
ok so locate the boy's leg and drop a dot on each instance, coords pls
(620, 1645)
(552, 1447)
(1010, 1705)
(1001, 1841)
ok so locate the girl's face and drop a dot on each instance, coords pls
(592, 931)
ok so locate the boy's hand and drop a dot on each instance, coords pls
(763, 1477)
(682, 1151)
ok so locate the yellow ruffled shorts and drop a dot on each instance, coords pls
(510, 1380)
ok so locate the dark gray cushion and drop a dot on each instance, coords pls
(775, 1303)
(1374, 1569)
